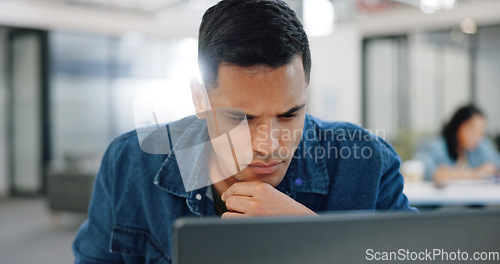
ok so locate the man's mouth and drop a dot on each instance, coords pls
(264, 168)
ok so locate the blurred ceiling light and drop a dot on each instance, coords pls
(318, 17)
(468, 25)
(431, 6)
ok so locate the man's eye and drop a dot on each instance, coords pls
(290, 116)
(236, 118)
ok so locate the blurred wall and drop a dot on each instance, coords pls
(80, 97)
(413, 20)
(488, 77)
(3, 116)
(439, 79)
(26, 116)
(335, 89)
(444, 72)
(95, 80)
(55, 16)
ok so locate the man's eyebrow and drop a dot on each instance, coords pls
(293, 110)
(289, 112)
(235, 113)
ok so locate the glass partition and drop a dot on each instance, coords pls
(95, 80)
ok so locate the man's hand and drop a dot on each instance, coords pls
(260, 199)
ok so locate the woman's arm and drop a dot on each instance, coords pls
(444, 173)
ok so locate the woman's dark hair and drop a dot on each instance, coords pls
(450, 129)
(248, 33)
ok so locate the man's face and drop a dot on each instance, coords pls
(273, 100)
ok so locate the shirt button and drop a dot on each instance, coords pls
(198, 197)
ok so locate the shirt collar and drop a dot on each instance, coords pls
(183, 134)
(306, 173)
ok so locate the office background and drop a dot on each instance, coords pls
(71, 69)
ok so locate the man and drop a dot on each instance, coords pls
(255, 62)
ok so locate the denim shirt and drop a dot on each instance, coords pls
(138, 196)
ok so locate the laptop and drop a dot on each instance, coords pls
(445, 236)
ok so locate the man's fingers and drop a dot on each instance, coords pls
(240, 189)
(233, 215)
(239, 204)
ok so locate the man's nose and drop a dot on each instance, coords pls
(266, 139)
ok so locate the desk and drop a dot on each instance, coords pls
(454, 194)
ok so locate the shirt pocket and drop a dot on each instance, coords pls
(137, 244)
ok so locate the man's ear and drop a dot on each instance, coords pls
(200, 98)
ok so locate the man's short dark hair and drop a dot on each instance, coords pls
(248, 33)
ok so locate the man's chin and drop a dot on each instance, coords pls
(271, 179)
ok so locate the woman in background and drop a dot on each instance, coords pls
(462, 151)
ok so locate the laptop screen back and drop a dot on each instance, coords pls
(340, 238)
